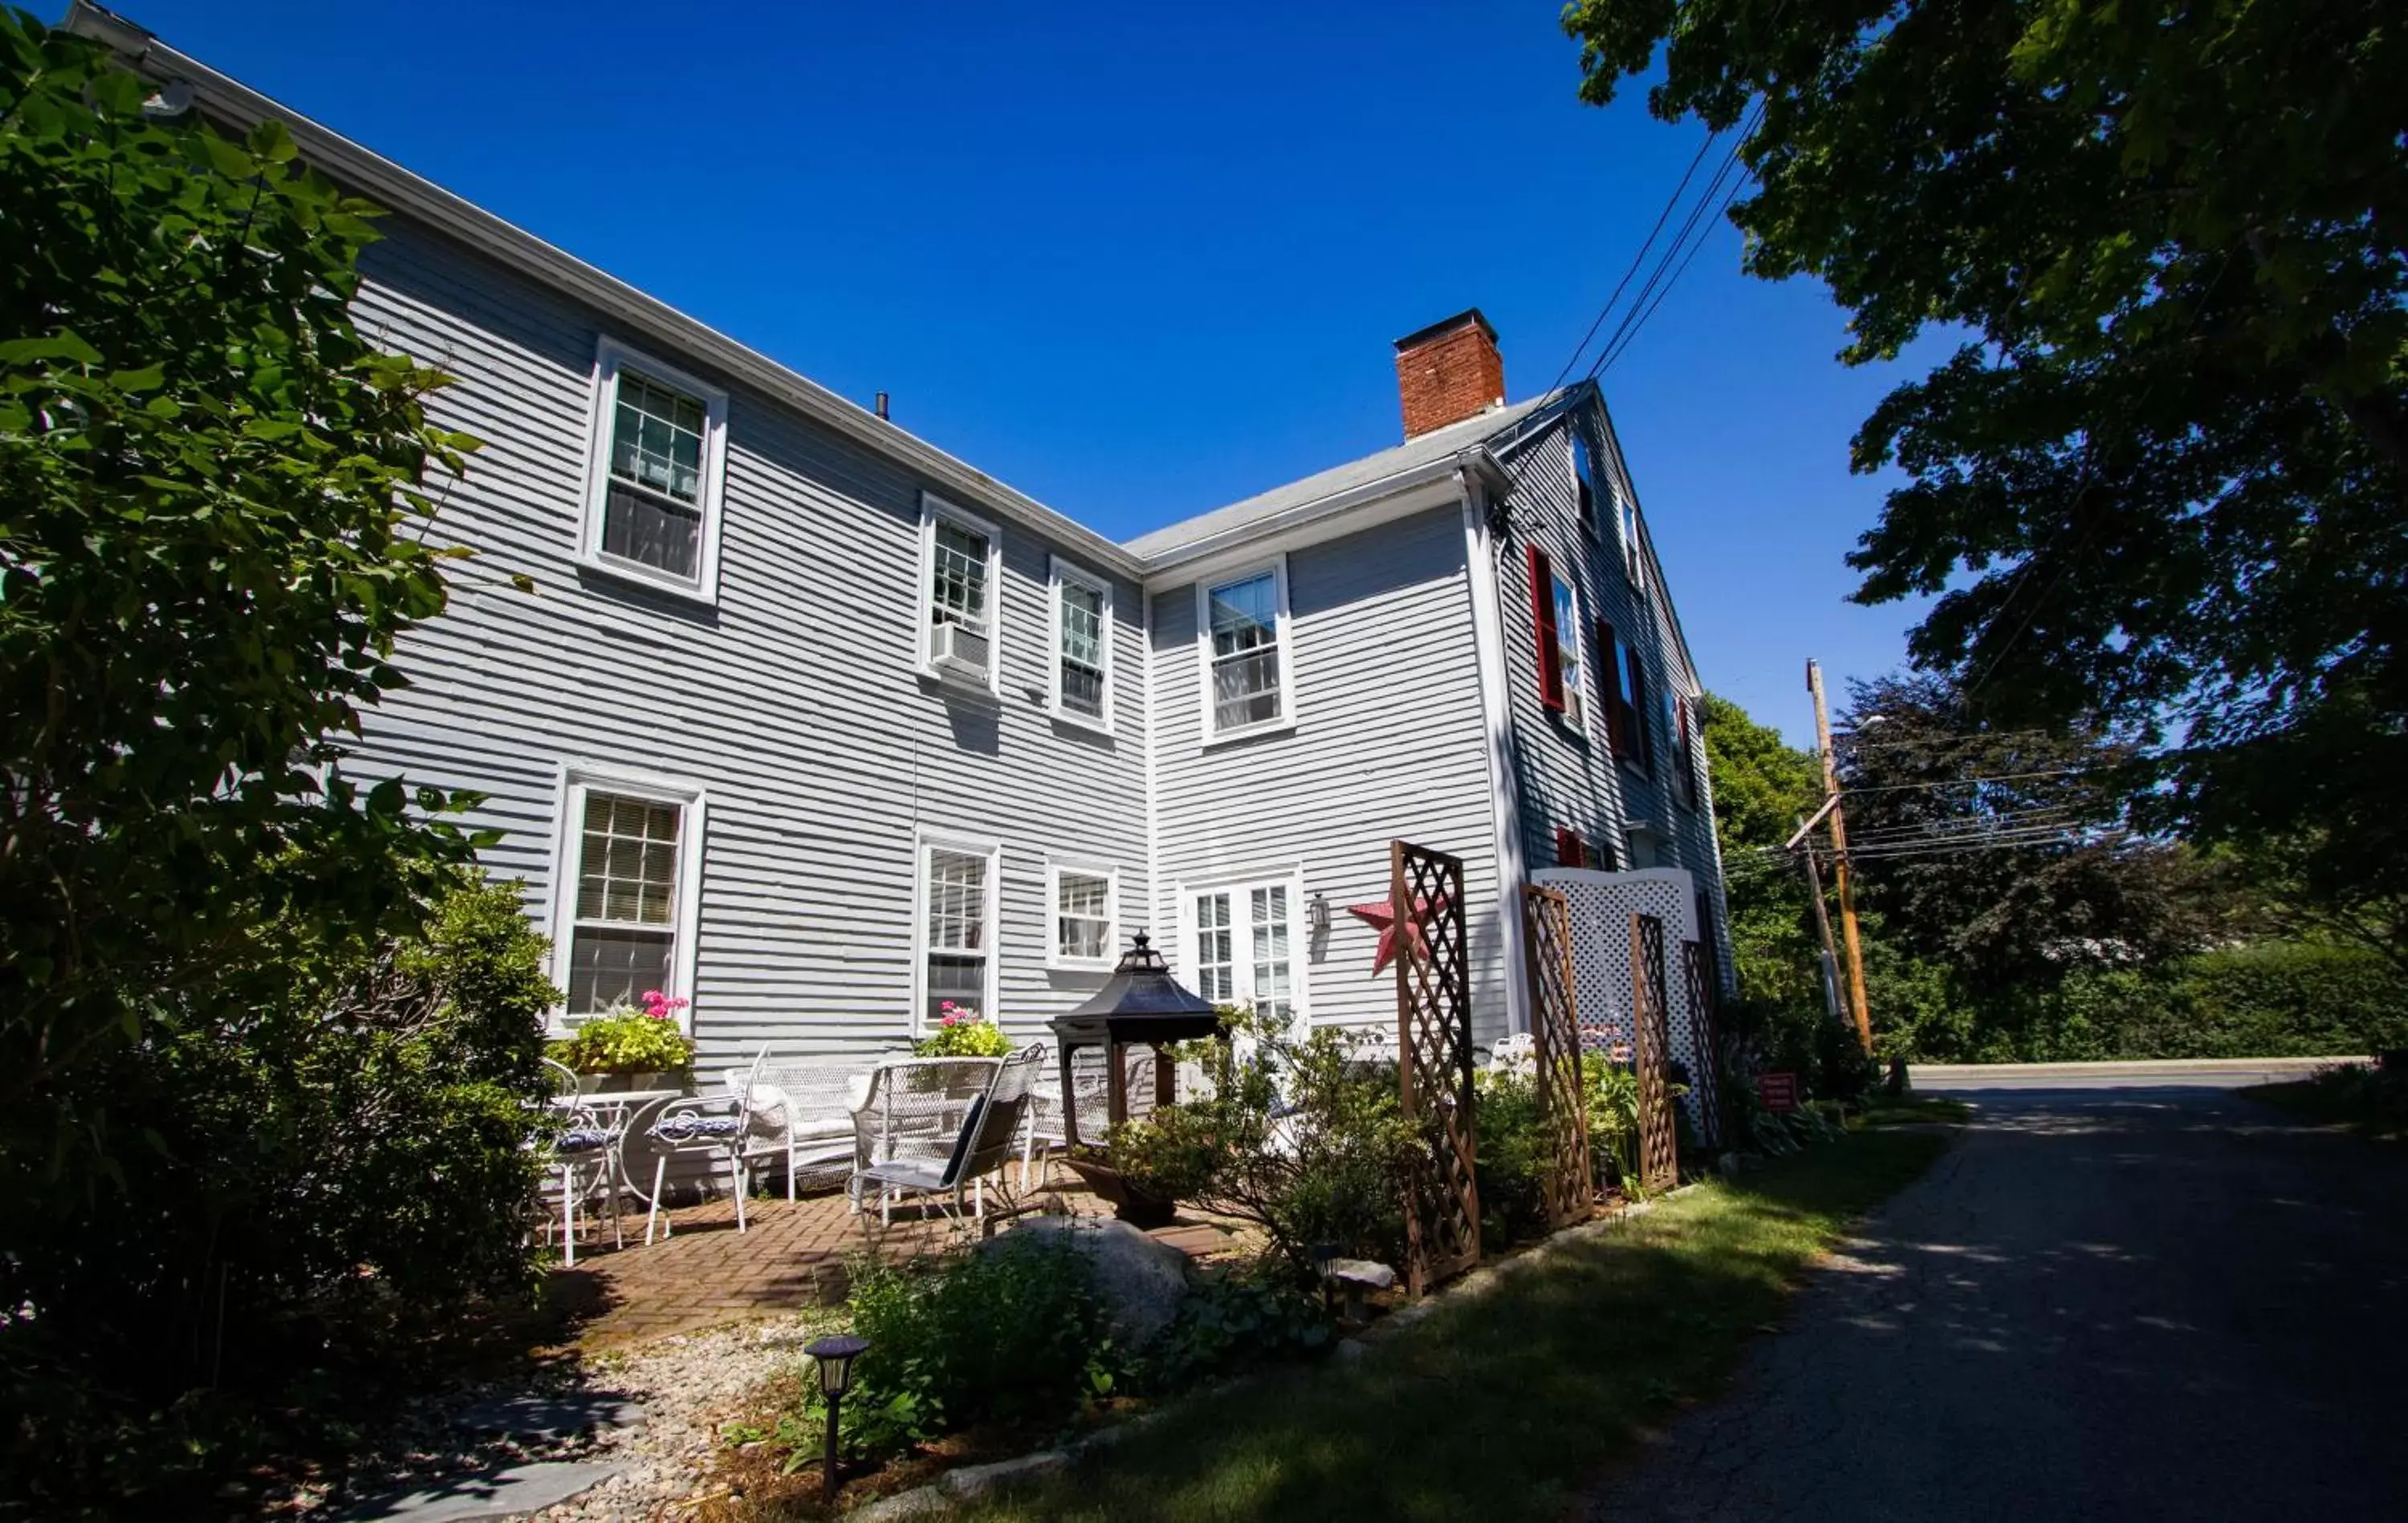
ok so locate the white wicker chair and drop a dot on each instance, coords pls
(800, 1112)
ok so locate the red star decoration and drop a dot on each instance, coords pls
(1396, 931)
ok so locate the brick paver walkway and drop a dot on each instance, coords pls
(790, 1256)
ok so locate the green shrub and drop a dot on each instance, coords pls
(1612, 1092)
(333, 1175)
(1302, 1138)
(1233, 1319)
(1013, 1333)
(1515, 1149)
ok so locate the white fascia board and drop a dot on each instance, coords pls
(645, 317)
(1436, 483)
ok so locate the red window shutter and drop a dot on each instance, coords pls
(1569, 849)
(1542, 616)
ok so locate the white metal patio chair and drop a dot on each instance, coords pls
(686, 1126)
(984, 1139)
(912, 1110)
(583, 1151)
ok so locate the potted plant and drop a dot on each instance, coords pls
(629, 1049)
(962, 1032)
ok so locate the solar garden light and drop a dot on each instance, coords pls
(835, 1356)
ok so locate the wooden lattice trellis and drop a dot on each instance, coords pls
(1434, 1063)
(1704, 1071)
(1554, 1038)
(1659, 1165)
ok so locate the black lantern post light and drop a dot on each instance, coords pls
(1141, 1005)
(835, 1356)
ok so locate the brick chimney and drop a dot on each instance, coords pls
(1448, 372)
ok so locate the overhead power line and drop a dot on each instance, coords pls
(1636, 259)
(1695, 230)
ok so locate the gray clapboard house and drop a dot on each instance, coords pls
(816, 726)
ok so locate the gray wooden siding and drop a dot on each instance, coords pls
(795, 702)
(1568, 778)
(1390, 742)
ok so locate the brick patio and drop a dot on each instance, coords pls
(792, 1256)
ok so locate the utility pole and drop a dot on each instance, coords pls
(1840, 860)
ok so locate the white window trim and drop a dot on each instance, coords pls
(1063, 573)
(1282, 637)
(970, 846)
(609, 357)
(577, 779)
(1573, 641)
(932, 508)
(1055, 957)
(1242, 961)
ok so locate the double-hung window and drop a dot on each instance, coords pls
(1631, 719)
(659, 459)
(1588, 483)
(1085, 901)
(1245, 640)
(1555, 616)
(624, 914)
(1242, 943)
(961, 579)
(1634, 554)
(1082, 646)
(957, 909)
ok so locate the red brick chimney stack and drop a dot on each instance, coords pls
(1448, 372)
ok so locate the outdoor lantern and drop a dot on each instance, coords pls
(835, 1356)
(1141, 1005)
(1317, 913)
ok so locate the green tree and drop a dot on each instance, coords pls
(2009, 858)
(213, 493)
(2162, 480)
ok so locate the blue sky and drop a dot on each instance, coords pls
(1136, 262)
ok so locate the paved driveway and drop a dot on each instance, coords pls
(2138, 1303)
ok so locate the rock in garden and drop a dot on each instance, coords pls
(1141, 1281)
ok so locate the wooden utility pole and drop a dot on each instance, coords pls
(1840, 860)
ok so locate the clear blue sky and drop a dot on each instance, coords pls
(1140, 262)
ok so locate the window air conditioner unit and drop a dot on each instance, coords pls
(958, 650)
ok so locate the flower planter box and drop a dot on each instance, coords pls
(620, 1084)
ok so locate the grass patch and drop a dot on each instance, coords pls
(2371, 1101)
(1508, 1405)
(1908, 1110)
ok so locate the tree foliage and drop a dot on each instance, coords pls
(2162, 482)
(212, 494)
(2009, 857)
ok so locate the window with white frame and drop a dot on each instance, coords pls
(626, 914)
(1634, 558)
(963, 571)
(1241, 943)
(1588, 482)
(957, 891)
(1568, 649)
(1244, 623)
(656, 479)
(1083, 646)
(1084, 912)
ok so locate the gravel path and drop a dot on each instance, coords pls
(2118, 1303)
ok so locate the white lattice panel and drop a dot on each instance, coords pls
(1602, 904)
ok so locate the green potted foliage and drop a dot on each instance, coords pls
(630, 1049)
(961, 1034)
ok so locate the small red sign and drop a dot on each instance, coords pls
(1778, 1093)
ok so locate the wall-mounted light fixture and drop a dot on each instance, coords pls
(1316, 914)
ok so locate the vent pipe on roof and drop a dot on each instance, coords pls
(881, 404)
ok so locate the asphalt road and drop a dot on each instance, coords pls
(2123, 1303)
